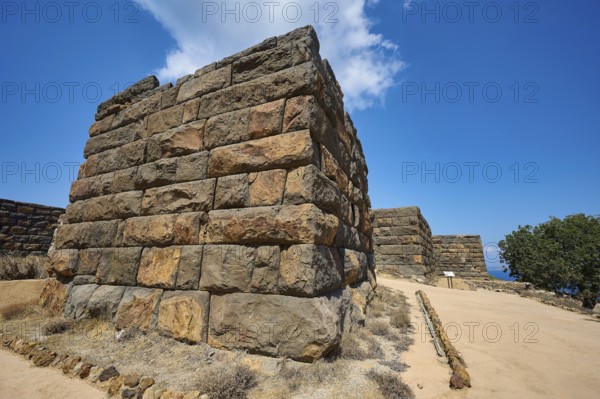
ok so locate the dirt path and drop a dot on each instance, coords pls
(20, 379)
(519, 348)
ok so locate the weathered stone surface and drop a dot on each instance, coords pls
(310, 270)
(158, 267)
(89, 259)
(90, 187)
(230, 268)
(298, 80)
(190, 265)
(77, 301)
(192, 167)
(124, 157)
(104, 301)
(266, 119)
(183, 140)
(127, 95)
(53, 296)
(294, 224)
(283, 151)
(64, 262)
(109, 207)
(138, 308)
(155, 174)
(113, 139)
(86, 235)
(108, 373)
(266, 188)
(231, 192)
(164, 120)
(309, 185)
(184, 315)
(182, 197)
(118, 266)
(304, 329)
(149, 230)
(205, 83)
(355, 266)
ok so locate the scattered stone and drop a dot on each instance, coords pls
(108, 373)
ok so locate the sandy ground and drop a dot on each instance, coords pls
(519, 349)
(20, 379)
(20, 291)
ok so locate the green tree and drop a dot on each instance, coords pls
(557, 255)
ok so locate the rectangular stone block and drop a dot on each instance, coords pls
(182, 197)
(89, 259)
(124, 157)
(227, 128)
(355, 266)
(230, 268)
(158, 267)
(298, 80)
(137, 111)
(118, 266)
(164, 120)
(310, 270)
(304, 329)
(192, 167)
(108, 207)
(205, 83)
(283, 151)
(64, 262)
(190, 265)
(231, 192)
(162, 230)
(309, 185)
(155, 174)
(113, 139)
(138, 308)
(183, 315)
(86, 235)
(183, 140)
(266, 188)
(294, 224)
(104, 302)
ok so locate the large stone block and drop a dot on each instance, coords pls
(64, 262)
(304, 329)
(184, 315)
(182, 197)
(231, 192)
(104, 301)
(138, 308)
(158, 267)
(266, 188)
(190, 264)
(309, 185)
(108, 207)
(310, 270)
(231, 268)
(118, 266)
(282, 151)
(182, 140)
(205, 83)
(78, 299)
(294, 224)
(86, 235)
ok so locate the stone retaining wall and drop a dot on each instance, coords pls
(27, 228)
(461, 254)
(402, 242)
(231, 208)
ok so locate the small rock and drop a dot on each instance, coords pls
(85, 370)
(132, 380)
(129, 393)
(115, 385)
(145, 383)
(108, 373)
(95, 372)
(419, 386)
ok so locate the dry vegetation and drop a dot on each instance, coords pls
(18, 267)
(367, 366)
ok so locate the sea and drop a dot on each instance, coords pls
(499, 274)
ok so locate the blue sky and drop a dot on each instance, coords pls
(485, 117)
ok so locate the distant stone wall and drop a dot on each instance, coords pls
(27, 228)
(402, 242)
(461, 254)
(231, 208)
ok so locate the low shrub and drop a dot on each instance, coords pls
(227, 382)
(390, 385)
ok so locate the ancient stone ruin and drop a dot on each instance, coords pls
(461, 254)
(26, 229)
(403, 245)
(402, 242)
(231, 208)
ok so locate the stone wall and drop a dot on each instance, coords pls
(402, 242)
(231, 208)
(27, 228)
(461, 254)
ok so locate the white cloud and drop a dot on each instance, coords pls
(364, 62)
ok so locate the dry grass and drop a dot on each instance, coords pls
(19, 311)
(57, 327)
(391, 385)
(18, 267)
(314, 375)
(226, 381)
